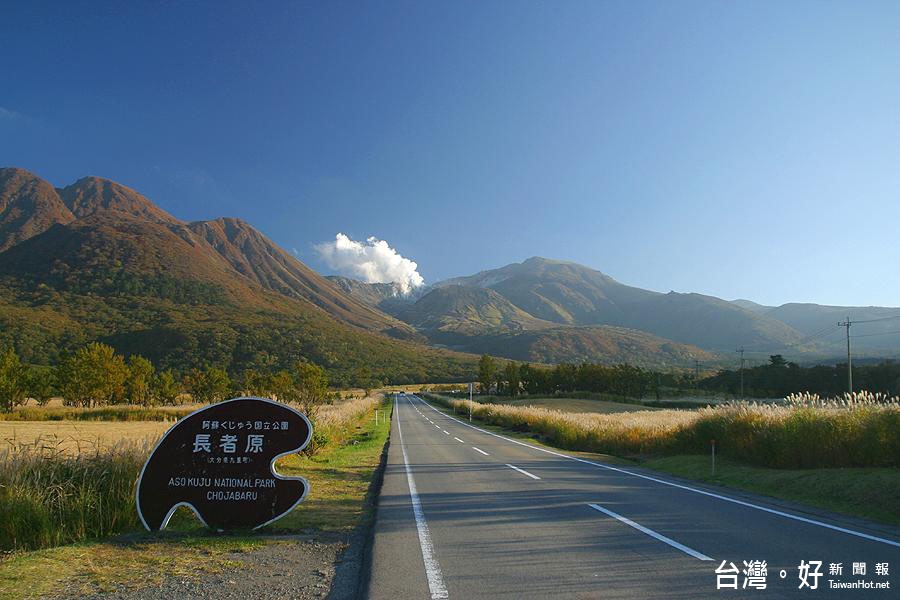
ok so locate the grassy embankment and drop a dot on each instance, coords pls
(840, 455)
(69, 505)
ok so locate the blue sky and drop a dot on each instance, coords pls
(741, 149)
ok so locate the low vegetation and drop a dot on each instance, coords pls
(805, 431)
(58, 488)
(49, 498)
(339, 476)
(868, 492)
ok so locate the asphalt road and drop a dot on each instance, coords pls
(465, 513)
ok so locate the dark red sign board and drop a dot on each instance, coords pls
(218, 461)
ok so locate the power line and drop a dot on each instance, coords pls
(874, 334)
(877, 320)
(825, 332)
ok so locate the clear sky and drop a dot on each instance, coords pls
(741, 149)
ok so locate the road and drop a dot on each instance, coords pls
(465, 513)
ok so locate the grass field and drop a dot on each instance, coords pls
(77, 437)
(339, 477)
(577, 405)
(804, 431)
(100, 413)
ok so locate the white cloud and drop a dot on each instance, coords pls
(372, 261)
(5, 113)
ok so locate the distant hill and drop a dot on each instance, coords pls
(876, 330)
(387, 297)
(97, 260)
(572, 294)
(493, 308)
(476, 319)
(470, 311)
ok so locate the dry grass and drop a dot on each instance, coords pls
(119, 412)
(76, 438)
(65, 481)
(804, 431)
(578, 405)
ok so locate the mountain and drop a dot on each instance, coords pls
(386, 297)
(28, 206)
(469, 311)
(570, 294)
(97, 260)
(476, 319)
(601, 344)
(557, 291)
(875, 329)
(751, 305)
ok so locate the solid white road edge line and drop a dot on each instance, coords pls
(432, 568)
(779, 513)
(522, 471)
(480, 450)
(650, 532)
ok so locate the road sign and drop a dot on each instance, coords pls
(218, 461)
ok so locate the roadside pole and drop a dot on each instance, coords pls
(471, 385)
(714, 458)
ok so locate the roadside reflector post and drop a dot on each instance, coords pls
(713, 457)
(376, 417)
(471, 385)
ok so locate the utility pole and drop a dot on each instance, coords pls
(742, 371)
(847, 325)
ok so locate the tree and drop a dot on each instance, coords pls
(165, 388)
(12, 380)
(41, 384)
(93, 375)
(282, 386)
(255, 383)
(208, 386)
(140, 378)
(311, 383)
(487, 373)
(511, 374)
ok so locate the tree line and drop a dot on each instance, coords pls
(780, 377)
(512, 379)
(95, 375)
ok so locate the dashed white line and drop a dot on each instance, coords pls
(480, 450)
(522, 471)
(779, 513)
(459, 440)
(432, 568)
(650, 532)
(445, 431)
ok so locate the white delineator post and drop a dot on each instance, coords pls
(471, 385)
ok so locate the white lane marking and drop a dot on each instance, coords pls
(432, 568)
(522, 471)
(459, 440)
(651, 533)
(445, 431)
(480, 450)
(779, 513)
